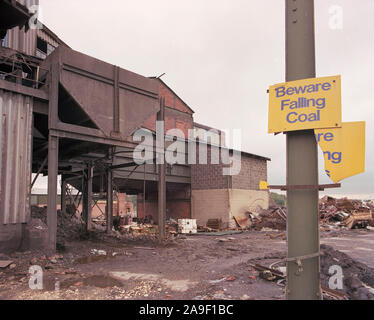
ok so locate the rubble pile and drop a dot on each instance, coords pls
(358, 278)
(136, 230)
(334, 213)
(273, 218)
(68, 227)
(345, 213)
(358, 281)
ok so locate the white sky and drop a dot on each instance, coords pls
(221, 55)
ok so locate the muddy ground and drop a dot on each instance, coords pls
(186, 267)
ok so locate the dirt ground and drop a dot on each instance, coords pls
(186, 267)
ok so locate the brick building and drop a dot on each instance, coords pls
(209, 193)
(215, 195)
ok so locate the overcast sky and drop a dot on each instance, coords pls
(220, 57)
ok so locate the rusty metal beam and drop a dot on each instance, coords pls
(27, 91)
(109, 201)
(84, 198)
(63, 195)
(320, 187)
(52, 159)
(69, 131)
(89, 196)
(52, 191)
(41, 168)
(116, 115)
(162, 176)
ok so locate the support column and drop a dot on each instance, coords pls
(52, 191)
(109, 201)
(161, 171)
(63, 195)
(84, 196)
(303, 278)
(89, 196)
(54, 77)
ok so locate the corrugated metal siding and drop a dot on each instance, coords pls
(15, 157)
(19, 40)
(47, 38)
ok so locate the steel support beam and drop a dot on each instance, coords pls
(162, 173)
(52, 191)
(89, 196)
(53, 142)
(41, 168)
(63, 195)
(116, 115)
(109, 201)
(27, 91)
(303, 278)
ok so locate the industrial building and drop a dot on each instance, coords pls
(69, 114)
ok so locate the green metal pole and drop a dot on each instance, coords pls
(303, 278)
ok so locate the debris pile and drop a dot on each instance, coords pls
(68, 227)
(358, 278)
(334, 213)
(345, 213)
(274, 218)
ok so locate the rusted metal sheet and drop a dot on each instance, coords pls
(20, 40)
(43, 34)
(15, 156)
(117, 101)
(243, 221)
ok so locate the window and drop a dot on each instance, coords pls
(43, 49)
(3, 41)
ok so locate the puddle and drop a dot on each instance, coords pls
(98, 281)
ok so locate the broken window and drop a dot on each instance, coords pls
(43, 48)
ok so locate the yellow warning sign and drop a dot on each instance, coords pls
(263, 185)
(305, 104)
(343, 149)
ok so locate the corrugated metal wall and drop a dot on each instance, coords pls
(47, 38)
(15, 157)
(19, 40)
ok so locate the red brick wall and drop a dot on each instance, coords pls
(177, 113)
(171, 100)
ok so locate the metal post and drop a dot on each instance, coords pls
(63, 195)
(41, 168)
(144, 186)
(84, 197)
(116, 108)
(109, 201)
(52, 191)
(89, 196)
(52, 157)
(161, 172)
(303, 278)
